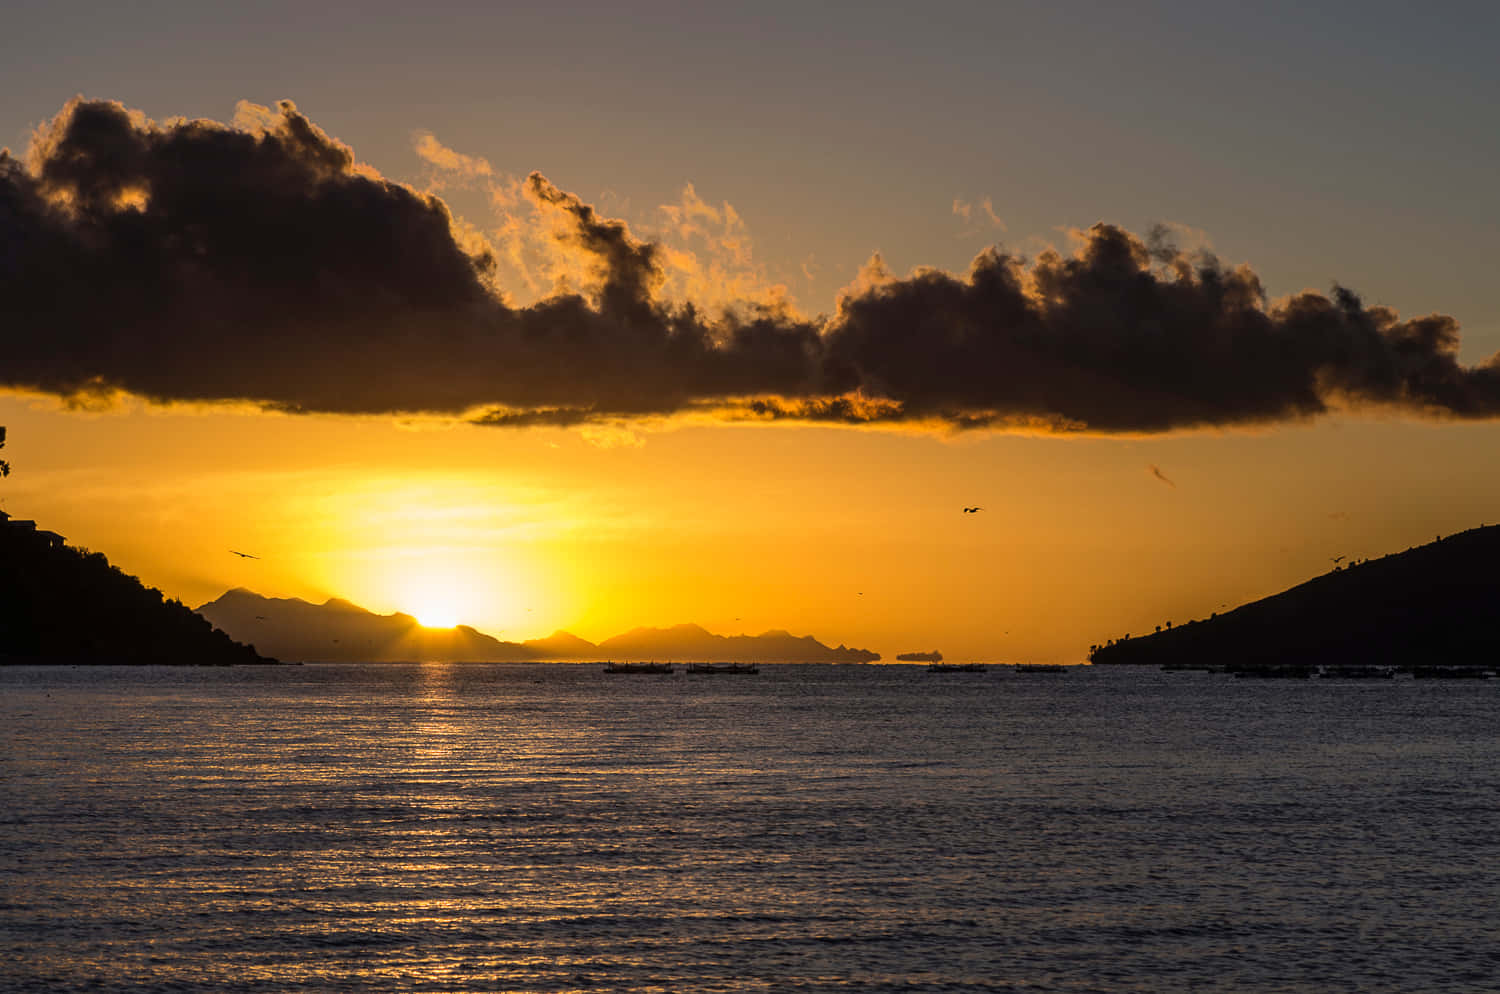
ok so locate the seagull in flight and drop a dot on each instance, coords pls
(972, 510)
(1337, 558)
(243, 555)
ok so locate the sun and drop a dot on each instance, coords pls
(436, 615)
(440, 599)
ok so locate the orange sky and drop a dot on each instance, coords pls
(853, 536)
(860, 193)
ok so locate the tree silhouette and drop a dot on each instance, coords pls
(4, 466)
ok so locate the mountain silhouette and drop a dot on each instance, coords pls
(338, 631)
(696, 642)
(66, 605)
(1430, 605)
(562, 645)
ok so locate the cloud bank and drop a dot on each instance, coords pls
(260, 262)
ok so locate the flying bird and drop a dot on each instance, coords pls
(1155, 471)
(1336, 559)
(243, 555)
(972, 510)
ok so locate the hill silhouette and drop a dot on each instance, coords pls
(65, 605)
(1430, 605)
(338, 631)
(696, 642)
(562, 645)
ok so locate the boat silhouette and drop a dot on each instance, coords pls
(723, 668)
(613, 667)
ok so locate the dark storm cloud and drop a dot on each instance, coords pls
(191, 261)
(1126, 337)
(198, 262)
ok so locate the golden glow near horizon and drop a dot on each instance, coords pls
(435, 596)
(852, 537)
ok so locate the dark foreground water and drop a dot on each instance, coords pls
(530, 828)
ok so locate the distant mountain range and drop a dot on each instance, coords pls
(1434, 604)
(694, 642)
(338, 631)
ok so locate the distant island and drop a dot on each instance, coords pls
(338, 631)
(1434, 604)
(920, 657)
(694, 642)
(60, 604)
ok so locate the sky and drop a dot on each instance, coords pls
(590, 316)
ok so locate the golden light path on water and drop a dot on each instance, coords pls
(871, 829)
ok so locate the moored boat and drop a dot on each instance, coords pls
(1451, 672)
(717, 668)
(1357, 672)
(613, 667)
(1275, 671)
(956, 668)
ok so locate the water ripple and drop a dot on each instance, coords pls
(510, 828)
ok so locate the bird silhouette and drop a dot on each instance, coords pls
(1337, 558)
(972, 510)
(243, 555)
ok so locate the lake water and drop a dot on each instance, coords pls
(819, 828)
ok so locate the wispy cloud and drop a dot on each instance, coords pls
(981, 213)
(191, 261)
(441, 156)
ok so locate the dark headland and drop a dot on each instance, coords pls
(64, 605)
(1433, 605)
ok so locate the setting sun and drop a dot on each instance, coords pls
(441, 598)
(593, 386)
(632, 496)
(436, 616)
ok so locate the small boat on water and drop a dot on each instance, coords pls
(612, 667)
(956, 668)
(1039, 667)
(719, 668)
(1451, 672)
(1275, 671)
(1357, 672)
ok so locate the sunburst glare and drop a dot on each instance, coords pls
(441, 597)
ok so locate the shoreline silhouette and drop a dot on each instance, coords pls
(1433, 603)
